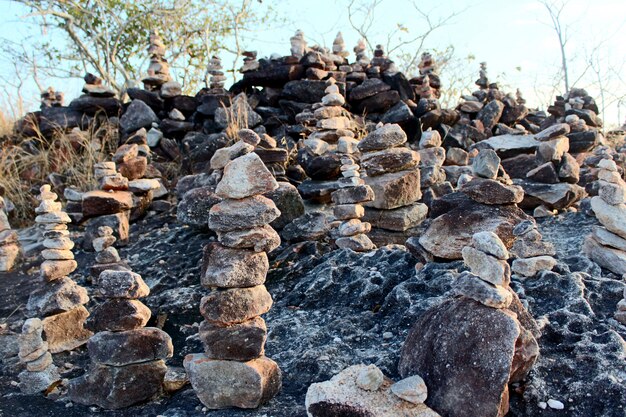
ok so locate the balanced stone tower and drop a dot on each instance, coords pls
(40, 372)
(233, 371)
(127, 359)
(60, 301)
(606, 246)
(158, 70)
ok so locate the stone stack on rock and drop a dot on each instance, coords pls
(490, 274)
(158, 70)
(552, 183)
(111, 204)
(394, 177)
(60, 301)
(233, 371)
(274, 157)
(428, 82)
(107, 257)
(298, 45)
(250, 62)
(51, 98)
(94, 87)
(363, 390)
(432, 157)
(319, 155)
(531, 252)
(339, 47)
(357, 70)
(469, 348)
(215, 74)
(348, 209)
(9, 244)
(97, 100)
(606, 246)
(40, 372)
(127, 359)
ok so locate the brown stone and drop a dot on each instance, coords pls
(237, 342)
(117, 315)
(235, 305)
(129, 347)
(224, 267)
(134, 168)
(394, 190)
(98, 203)
(259, 239)
(66, 331)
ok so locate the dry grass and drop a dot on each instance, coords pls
(237, 117)
(27, 165)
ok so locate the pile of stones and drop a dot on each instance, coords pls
(233, 371)
(250, 62)
(107, 257)
(40, 372)
(215, 74)
(110, 205)
(607, 244)
(158, 72)
(60, 301)
(51, 98)
(348, 208)
(363, 390)
(9, 244)
(531, 252)
(394, 177)
(127, 359)
(490, 274)
(432, 157)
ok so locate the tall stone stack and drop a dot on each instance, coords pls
(127, 359)
(107, 257)
(531, 252)
(9, 244)
(111, 204)
(394, 177)
(490, 276)
(40, 372)
(60, 301)
(339, 47)
(158, 70)
(233, 371)
(607, 244)
(357, 69)
(349, 209)
(428, 81)
(432, 157)
(215, 74)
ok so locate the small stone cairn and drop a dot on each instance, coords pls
(432, 157)
(9, 244)
(490, 276)
(158, 70)
(110, 205)
(233, 371)
(607, 243)
(107, 257)
(94, 87)
(40, 372)
(394, 177)
(51, 98)
(298, 45)
(215, 74)
(60, 300)
(250, 62)
(358, 69)
(531, 252)
(127, 359)
(349, 209)
(428, 79)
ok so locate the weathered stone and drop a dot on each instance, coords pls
(490, 243)
(569, 170)
(486, 164)
(246, 213)
(607, 257)
(613, 194)
(263, 238)
(245, 177)
(358, 243)
(289, 203)
(66, 331)
(606, 238)
(235, 305)
(310, 226)
(399, 219)
(348, 211)
(117, 315)
(487, 267)
(136, 116)
(353, 195)
(195, 206)
(237, 342)
(394, 190)
(32, 383)
(490, 114)
(412, 389)
(57, 254)
(121, 284)
(613, 217)
(492, 192)
(133, 169)
(232, 268)
(465, 352)
(472, 286)
(389, 160)
(342, 396)
(51, 270)
(553, 196)
(370, 378)
(240, 384)
(529, 267)
(223, 156)
(56, 297)
(98, 203)
(118, 222)
(553, 150)
(388, 136)
(116, 387)
(554, 131)
(129, 347)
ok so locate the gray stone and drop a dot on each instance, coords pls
(224, 267)
(235, 305)
(240, 214)
(490, 243)
(121, 284)
(472, 286)
(394, 190)
(245, 177)
(263, 238)
(370, 378)
(237, 342)
(412, 389)
(607, 257)
(136, 116)
(58, 296)
(486, 164)
(129, 347)
(529, 267)
(387, 136)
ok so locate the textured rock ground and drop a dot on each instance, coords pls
(336, 309)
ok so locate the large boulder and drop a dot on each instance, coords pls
(467, 354)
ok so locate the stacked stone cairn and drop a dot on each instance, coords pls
(94, 87)
(339, 47)
(107, 257)
(158, 70)
(215, 73)
(298, 45)
(607, 243)
(490, 274)
(428, 81)
(349, 208)
(9, 244)
(127, 359)
(432, 157)
(233, 371)
(357, 70)
(60, 300)
(394, 177)
(40, 372)
(51, 98)
(110, 205)
(531, 252)
(250, 62)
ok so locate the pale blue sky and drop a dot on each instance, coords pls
(506, 34)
